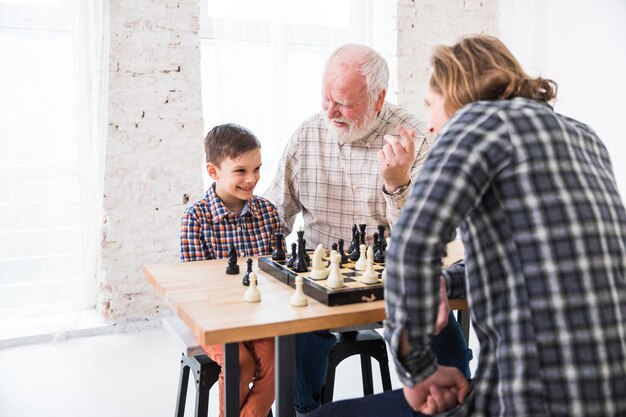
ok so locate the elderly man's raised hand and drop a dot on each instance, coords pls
(396, 159)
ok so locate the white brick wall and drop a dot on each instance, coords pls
(154, 147)
(423, 24)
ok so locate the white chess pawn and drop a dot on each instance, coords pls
(318, 269)
(252, 294)
(335, 279)
(369, 276)
(299, 299)
(361, 264)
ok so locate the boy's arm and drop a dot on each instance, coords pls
(193, 246)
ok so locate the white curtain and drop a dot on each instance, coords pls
(53, 70)
(262, 60)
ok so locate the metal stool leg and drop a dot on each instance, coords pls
(366, 373)
(182, 388)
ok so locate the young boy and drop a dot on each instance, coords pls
(229, 215)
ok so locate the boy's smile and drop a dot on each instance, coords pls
(235, 179)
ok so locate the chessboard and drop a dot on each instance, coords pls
(353, 291)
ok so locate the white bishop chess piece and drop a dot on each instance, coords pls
(252, 294)
(318, 269)
(335, 279)
(361, 264)
(299, 299)
(369, 276)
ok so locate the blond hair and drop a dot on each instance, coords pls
(481, 67)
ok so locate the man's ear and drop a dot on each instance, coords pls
(380, 101)
(212, 170)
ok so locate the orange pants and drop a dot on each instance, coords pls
(256, 367)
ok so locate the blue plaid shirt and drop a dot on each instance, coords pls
(544, 230)
(208, 229)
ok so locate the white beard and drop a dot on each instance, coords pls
(353, 132)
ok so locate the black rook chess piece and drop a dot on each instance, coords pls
(246, 277)
(232, 268)
(279, 252)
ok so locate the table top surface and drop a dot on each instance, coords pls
(212, 303)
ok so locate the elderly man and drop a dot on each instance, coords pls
(341, 168)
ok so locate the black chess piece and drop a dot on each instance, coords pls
(354, 242)
(379, 254)
(362, 234)
(294, 255)
(232, 268)
(246, 277)
(279, 252)
(306, 253)
(355, 253)
(381, 236)
(344, 257)
(300, 264)
(333, 247)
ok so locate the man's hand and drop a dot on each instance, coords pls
(444, 307)
(396, 159)
(442, 391)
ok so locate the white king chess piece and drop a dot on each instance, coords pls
(318, 269)
(335, 279)
(252, 294)
(370, 276)
(299, 299)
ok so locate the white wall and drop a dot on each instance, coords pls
(582, 46)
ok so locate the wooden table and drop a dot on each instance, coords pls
(211, 304)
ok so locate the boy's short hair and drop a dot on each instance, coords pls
(229, 140)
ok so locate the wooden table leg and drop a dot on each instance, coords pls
(285, 365)
(231, 379)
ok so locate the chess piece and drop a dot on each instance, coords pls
(335, 278)
(362, 227)
(252, 294)
(294, 255)
(334, 249)
(232, 268)
(381, 236)
(300, 264)
(353, 243)
(383, 275)
(369, 275)
(299, 299)
(379, 254)
(344, 257)
(318, 269)
(246, 277)
(279, 252)
(306, 253)
(361, 264)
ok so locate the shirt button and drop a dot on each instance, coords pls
(369, 145)
(354, 187)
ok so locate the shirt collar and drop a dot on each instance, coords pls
(219, 211)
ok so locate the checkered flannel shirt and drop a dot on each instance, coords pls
(544, 230)
(337, 185)
(208, 229)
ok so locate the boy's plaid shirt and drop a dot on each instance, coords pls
(208, 229)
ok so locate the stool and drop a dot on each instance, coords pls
(366, 343)
(204, 370)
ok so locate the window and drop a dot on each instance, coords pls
(43, 169)
(262, 61)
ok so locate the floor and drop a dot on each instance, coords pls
(126, 374)
(131, 373)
